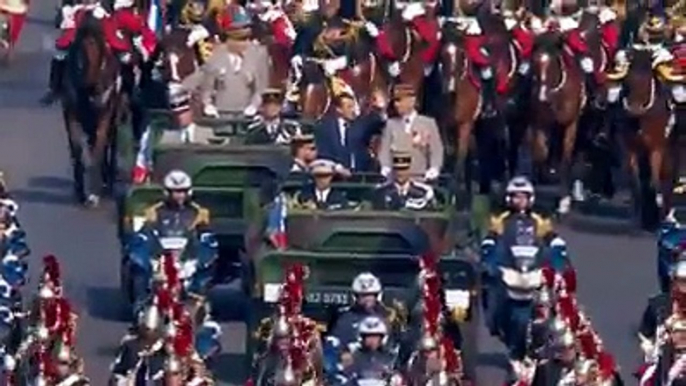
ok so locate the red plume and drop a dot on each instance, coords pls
(51, 269)
(183, 339)
(568, 310)
(569, 279)
(588, 344)
(292, 293)
(452, 362)
(548, 276)
(164, 299)
(171, 273)
(606, 365)
(69, 336)
(64, 310)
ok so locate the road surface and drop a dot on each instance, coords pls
(616, 274)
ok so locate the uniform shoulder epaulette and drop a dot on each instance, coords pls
(544, 225)
(496, 223)
(203, 216)
(151, 212)
(129, 337)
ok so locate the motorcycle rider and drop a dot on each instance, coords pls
(178, 204)
(367, 292)
(368, 358)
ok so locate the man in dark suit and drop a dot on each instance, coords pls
(321, 195)
(343, 138)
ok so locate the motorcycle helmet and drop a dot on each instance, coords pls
(517, 185)
(372, 325)
(178, 180)
(366, 284)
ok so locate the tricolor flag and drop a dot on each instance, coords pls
(156, 17)
(276, 222)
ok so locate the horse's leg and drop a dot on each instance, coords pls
(633, 172)
(539, 152)
(97, 157)
(568, 144)
(76, 149)
(656, 158)
(464, 132)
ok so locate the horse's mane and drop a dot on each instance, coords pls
(450, 33)
(641, 61)
(90, 27)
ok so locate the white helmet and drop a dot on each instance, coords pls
(679, 270)
(177, 180)
(372, 325)
(366, 284)
(520, 184)
(119, 4)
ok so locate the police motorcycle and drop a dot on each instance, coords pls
(194, 252)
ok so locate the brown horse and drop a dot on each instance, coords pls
(407, 46)
(557, 100)
(362, 77)
(647, 103)
(89, 107)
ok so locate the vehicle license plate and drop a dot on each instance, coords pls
(339, 298)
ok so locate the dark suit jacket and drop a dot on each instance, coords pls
(359, 132)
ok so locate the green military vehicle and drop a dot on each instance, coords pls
(337, 245)
(232, 180)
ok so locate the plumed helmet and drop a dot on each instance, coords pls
(372, 325)
(366, 284)
(50, 284)
(177, 180)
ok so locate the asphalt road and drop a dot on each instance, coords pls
(616, 274)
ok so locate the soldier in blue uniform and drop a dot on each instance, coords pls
(178, 205)
(320, 194)
(369, 357)
(402, 192)
(141, 355)
(366, 289)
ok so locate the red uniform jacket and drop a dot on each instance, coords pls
(127, 20)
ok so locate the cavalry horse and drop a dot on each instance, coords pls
(406, 45)
(89, 106)
(362, 78)
(557, 100)
(464, 100)
(647, 133)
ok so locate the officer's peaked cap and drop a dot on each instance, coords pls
(402, 160)
(323, 167)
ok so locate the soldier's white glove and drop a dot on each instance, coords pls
(99, 12)
(386, 171)
(607, 15)
(125, 58)
(621, 59)
(9, 363)
(210, 111)
(394, 69)
(250, 111)
(138, 42)
(413, 10)
(371, 28)
(297, 62)
(431, 174)
(197, 34)
(587, 65)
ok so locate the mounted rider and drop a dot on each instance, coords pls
(523, 37)
(566, 17)
(203, 23)
(325, 38)
(492, 80)
(134, 26)
(421, 15)
(72, 16)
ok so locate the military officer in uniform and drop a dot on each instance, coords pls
(268, 127)
(412, 133)
(304, 152)
(367, 291)
(141, 350)
(320, 194)
(402, 192)
(178, 204)
(237, 72)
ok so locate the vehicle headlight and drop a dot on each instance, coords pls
(271, 292)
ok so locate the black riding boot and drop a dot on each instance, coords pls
(489, 96)
(56, 74)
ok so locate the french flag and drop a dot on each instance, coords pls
(276, 222)
(156, 17)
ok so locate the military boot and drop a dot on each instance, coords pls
(488, 93)
(55, 82)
